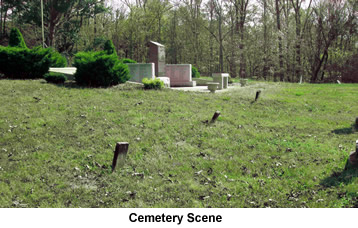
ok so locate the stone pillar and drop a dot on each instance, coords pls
(157, 56)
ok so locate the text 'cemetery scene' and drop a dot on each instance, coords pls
(179, 104)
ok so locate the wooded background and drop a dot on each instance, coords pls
(272, 40)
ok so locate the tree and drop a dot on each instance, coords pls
(16, 39)
(62, 18)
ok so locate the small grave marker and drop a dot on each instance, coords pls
(215, 116)
(257, 95)
(121, 151)
(353, 157)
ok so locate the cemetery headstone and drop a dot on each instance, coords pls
(157, 56)
(179, 74)
(138, 71)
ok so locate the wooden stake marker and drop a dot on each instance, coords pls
(121, 151)
(215, 116)
(353, 157)
(257, 95)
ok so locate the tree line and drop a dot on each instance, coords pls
(281, 40)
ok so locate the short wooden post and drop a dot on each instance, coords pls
(215, 116)
(357, 122)
(121, 151)
(257, 95)
(353, 157)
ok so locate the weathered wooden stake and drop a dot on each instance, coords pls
(257, 95)
(121, 151)
(353, 157)
(215, 116)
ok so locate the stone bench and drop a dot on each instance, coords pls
(222, 79)
(201, 81)
(68, 71)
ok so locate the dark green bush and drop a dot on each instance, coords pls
(109, 48)
(194, 72)
(27, 63)
(97, 69)
(152, 83)
(125, 60)
(16, 39)
(230, 81)
(56, 78)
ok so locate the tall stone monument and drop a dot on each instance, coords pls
(157, 56)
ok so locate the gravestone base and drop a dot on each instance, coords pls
(165, 80)
(183, 84)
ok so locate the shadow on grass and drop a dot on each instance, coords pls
(124, 86)
(346, 131)
(345, 176)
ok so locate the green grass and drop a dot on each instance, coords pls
(289, 149)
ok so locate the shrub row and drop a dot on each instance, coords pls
(24, 63)
(17, 61)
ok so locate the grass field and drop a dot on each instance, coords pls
(289, 149)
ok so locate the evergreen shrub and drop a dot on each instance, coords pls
(194, 72)
(152, 83)
(56, 78)
(97, 69)
(24, 63)
(109, 48)
(16, 39)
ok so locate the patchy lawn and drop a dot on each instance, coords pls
(289, 149)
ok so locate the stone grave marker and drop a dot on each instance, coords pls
(179, 74)
(157, 56)
(138, 71)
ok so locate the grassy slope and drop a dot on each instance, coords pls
(56, 151)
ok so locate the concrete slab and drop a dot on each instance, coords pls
(204, 89)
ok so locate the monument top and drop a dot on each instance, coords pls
(156, 43)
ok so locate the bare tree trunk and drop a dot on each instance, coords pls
(265, 67)
(1, 9)
(278, 21)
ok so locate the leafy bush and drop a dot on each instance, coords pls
(152, 83)
(125, 60)
(25, 63)
(16, 39)
(230, 81)
(96, 69)
(56, 78)
(109, 48)
(194, 72)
